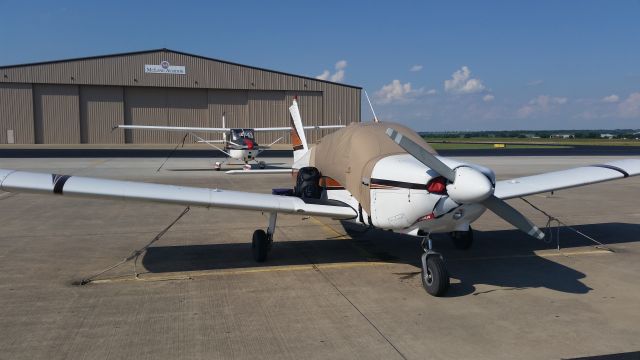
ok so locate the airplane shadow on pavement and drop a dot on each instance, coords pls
(505, 259)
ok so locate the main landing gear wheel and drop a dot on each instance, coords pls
(435, 277)
(217, 166)
(262, 164)
(260, 245)
(462, 240)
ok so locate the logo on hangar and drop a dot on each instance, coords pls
(165, 68)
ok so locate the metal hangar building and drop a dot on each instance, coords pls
(79, 101)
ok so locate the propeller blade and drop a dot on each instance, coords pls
(422, 155)
(512, 216)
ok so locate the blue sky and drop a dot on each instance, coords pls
(477, 65)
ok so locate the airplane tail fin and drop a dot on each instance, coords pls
(298, 138)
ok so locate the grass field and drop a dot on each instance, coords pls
(565, 142)
(463, 146)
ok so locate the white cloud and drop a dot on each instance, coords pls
(613, 98)
(397, 92)
(324, 76)
(461, 82)
(337, 76)
(542, 103)
(415, 68)
(525, 111)
(630, 107)
(488, 98)
(432, 92)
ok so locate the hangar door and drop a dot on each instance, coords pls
(56, 114)
(163, 107)
(101, 109)
(16, 114)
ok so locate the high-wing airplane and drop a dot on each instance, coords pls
(375, 174)
(237, 143)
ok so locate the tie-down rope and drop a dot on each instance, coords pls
(549, 231)
(136, 253)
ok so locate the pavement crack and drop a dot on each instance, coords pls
(327, 279)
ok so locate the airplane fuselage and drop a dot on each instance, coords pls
(400, 199)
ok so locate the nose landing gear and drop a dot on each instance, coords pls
(435, 277)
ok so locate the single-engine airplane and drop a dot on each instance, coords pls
(375, 174)
(237, 143)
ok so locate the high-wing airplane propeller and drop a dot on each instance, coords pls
(377, 174)
(467, 185)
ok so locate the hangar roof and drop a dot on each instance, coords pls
(88, 67)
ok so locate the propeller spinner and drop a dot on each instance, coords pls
(467, 185)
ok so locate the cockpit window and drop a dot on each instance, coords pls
(238, 134)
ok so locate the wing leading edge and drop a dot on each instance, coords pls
(22, 181)
(220, 130)
(563, 179)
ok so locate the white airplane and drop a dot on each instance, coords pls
(237, 143)
(375, 174)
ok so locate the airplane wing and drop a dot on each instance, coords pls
(288, 128)
(563, 179)
(31, 182)
(259, 171)
(173, 128)
(219, 130)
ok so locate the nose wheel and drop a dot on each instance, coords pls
(435, 277)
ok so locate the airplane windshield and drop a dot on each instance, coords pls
(237, 134)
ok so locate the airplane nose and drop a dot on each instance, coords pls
(470, 186)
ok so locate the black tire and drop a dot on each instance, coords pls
(262, 164)
(260, 245)
(435, 278)
(462, 240)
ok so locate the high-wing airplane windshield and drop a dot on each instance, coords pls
(237, 134)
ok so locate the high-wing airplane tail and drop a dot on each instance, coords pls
(298, 138)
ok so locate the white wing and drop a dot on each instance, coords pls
(259, 171)
(287, 128)
(219, 130)
(174, 128)
(529, 185)
(22, 181)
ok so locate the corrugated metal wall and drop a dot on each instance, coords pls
(187, 107)
(146, 106)
(56, 114)
(101, 108)
(231, 103)
(16, 113)
(267, 109)
(82, 99)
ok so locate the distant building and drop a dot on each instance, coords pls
(607, 136)
(562, 136)
(79, 101)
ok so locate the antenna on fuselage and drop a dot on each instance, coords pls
(375, 118)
